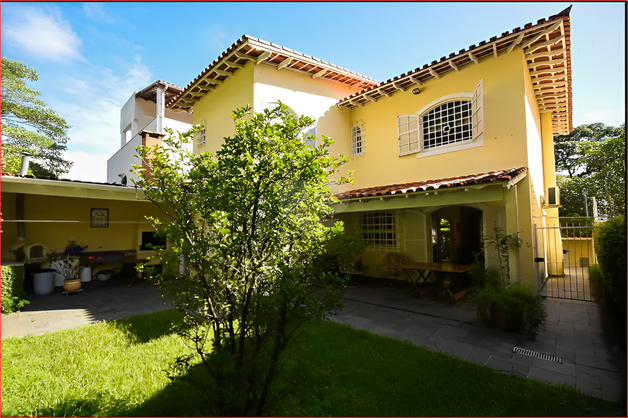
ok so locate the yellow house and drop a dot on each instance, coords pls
(442, 154)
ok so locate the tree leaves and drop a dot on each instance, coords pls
(592, 160)
(29, 126)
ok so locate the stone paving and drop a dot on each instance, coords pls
(99, 300)
(574, 333)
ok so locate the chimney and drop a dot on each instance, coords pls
(151, 140)
(26, 159)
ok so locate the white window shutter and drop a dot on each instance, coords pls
(477, 106)
(408, 128)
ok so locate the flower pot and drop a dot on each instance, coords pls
(72, 285)
(44, 282)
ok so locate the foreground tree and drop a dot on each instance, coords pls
(247, 222)
(29, 126)
(591, 162)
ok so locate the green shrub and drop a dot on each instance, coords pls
(610, 247)
(595, 281)
(516, 308)
(483, 278)
(12, 288)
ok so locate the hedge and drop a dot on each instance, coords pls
(12, 288)
(610, 247)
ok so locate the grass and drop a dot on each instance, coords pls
(116, 368)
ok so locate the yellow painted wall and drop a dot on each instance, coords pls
(504, 126)
(578, 248)
(126, 221)
(215, 108)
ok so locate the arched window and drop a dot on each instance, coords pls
(455, 119)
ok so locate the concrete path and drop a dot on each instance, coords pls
(98, 301)
(574, 334)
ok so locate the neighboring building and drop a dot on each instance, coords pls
(144, 112)
(442, 154)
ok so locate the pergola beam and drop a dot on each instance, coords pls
(233, 64)
(262, 57)
(284, 63)
(549, 62)
(415, 80)
(545, 44)
(383, 92)
(434, 73)
(244, 56)
(398, 87)
(550, 54)
(515, 43)
(221, 72)
(319, 73)
(543, 33)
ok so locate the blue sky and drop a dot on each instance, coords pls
(92, 56)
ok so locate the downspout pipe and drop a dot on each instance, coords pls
(26, 160)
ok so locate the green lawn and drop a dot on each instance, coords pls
(116, 368)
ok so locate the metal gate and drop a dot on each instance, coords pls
(566, 263)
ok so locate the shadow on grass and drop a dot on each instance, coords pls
(144, 328)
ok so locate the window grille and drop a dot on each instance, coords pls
(200, 137)
(379, 230)
(449, 123)
(357, 140)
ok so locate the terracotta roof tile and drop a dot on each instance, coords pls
(421, 186)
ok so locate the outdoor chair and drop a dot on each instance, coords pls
(390, 268)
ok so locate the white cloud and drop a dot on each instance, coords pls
(96, 12)
(87, 166)
(44, 35)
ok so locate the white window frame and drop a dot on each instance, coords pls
(369, 234)
(200, 136)
(477, 123)
(355, 142)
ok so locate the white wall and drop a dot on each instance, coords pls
(123, 160)
(535, 154)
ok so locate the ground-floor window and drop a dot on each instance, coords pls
(379, 230)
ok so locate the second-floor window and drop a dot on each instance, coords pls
(200, 135)
(451, 121)
(357, 140)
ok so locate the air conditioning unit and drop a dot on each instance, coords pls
(552, 197)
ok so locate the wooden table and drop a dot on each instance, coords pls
(425, 270)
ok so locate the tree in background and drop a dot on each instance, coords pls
(591, 162)
(28, 125)
(247, 222)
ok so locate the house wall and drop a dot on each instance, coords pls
(215, 108)
(126, 222)
(306, 96)
(504, 141)
(578, 248)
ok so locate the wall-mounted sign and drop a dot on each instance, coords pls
(100, 218)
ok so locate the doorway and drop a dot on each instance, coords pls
(456, 234)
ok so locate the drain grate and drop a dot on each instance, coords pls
(536, 354)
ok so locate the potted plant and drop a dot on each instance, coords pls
(69, 270)
(73, 248)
